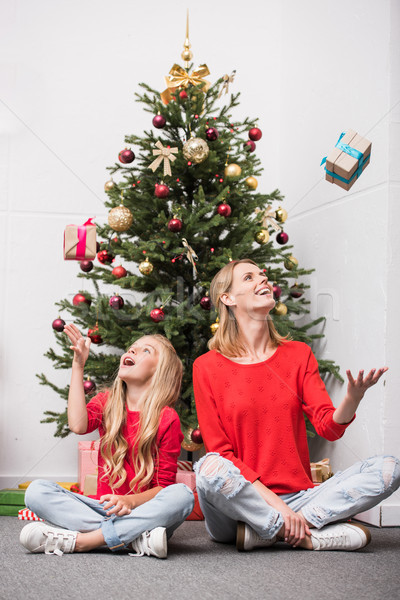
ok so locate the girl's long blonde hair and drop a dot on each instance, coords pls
(227, 339)
(163, 391)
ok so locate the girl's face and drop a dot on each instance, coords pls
(139, 363)
(250, 292)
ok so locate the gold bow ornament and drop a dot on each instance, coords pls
(269, 218)
(165, 154)
(227, 80)
(190, 254)
(181, 78)
(321, 471)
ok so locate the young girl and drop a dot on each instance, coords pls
(251, 390)
(138, 506)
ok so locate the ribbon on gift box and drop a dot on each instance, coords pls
(351, 152)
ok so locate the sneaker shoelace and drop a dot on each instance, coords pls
(140, 545)
(327, 540)
(58, 543)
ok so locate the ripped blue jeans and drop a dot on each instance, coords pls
(226, 497)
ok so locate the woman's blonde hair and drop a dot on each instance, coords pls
(227, 339)
(163, 391)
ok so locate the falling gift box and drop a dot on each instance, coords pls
(88, 454)
(347, 160)
(80, 241)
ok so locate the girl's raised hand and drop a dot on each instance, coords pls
(80, 345)
(357, 387)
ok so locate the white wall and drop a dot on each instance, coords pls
(309, 70)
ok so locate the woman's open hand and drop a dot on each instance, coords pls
(118, 505)
(80, 345)
(357, 387)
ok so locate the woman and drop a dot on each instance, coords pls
(251, 390)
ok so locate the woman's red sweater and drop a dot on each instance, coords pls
(252, 414)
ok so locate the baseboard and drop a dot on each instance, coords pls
(13, 482)
(386, 514)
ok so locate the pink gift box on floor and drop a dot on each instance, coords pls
(87, 460)
(188, 477)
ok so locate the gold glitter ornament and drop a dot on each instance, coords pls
(146, 267)
(196, 150)
(262, 236)
(281, 215)
(214, 326)
(120, 218)
(280, 309)
(251, 182)
(188, 444)
(109, 185)
(291, 263)
(233, 171)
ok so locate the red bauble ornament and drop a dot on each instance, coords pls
(159, 121)
(126, 156)
(105, 257)
(224, 209)
(89, 386)
(296, 291)
(157, 315)
(175, 225)
(116, 302)
(95, 336)
(196, 436)
(183, 95)
(58, 325)
(282, 238)
(205, 302)
(79, 299)
(86, 265)
(255, 134)
(119, 272)
(249, 146)
(277, 291)
(212, 134)
(161, 190)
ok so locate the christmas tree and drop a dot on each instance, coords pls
(183, 203)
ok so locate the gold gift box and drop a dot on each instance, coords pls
(321, 470)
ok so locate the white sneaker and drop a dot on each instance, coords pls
(41, 537)
(152, 543)
(247, 538)
(342, 536)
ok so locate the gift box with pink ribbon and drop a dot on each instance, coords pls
(80, 241)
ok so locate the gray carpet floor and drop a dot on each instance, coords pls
(198, 568)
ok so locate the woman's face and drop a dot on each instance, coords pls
(250, 293)
(139, 363)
